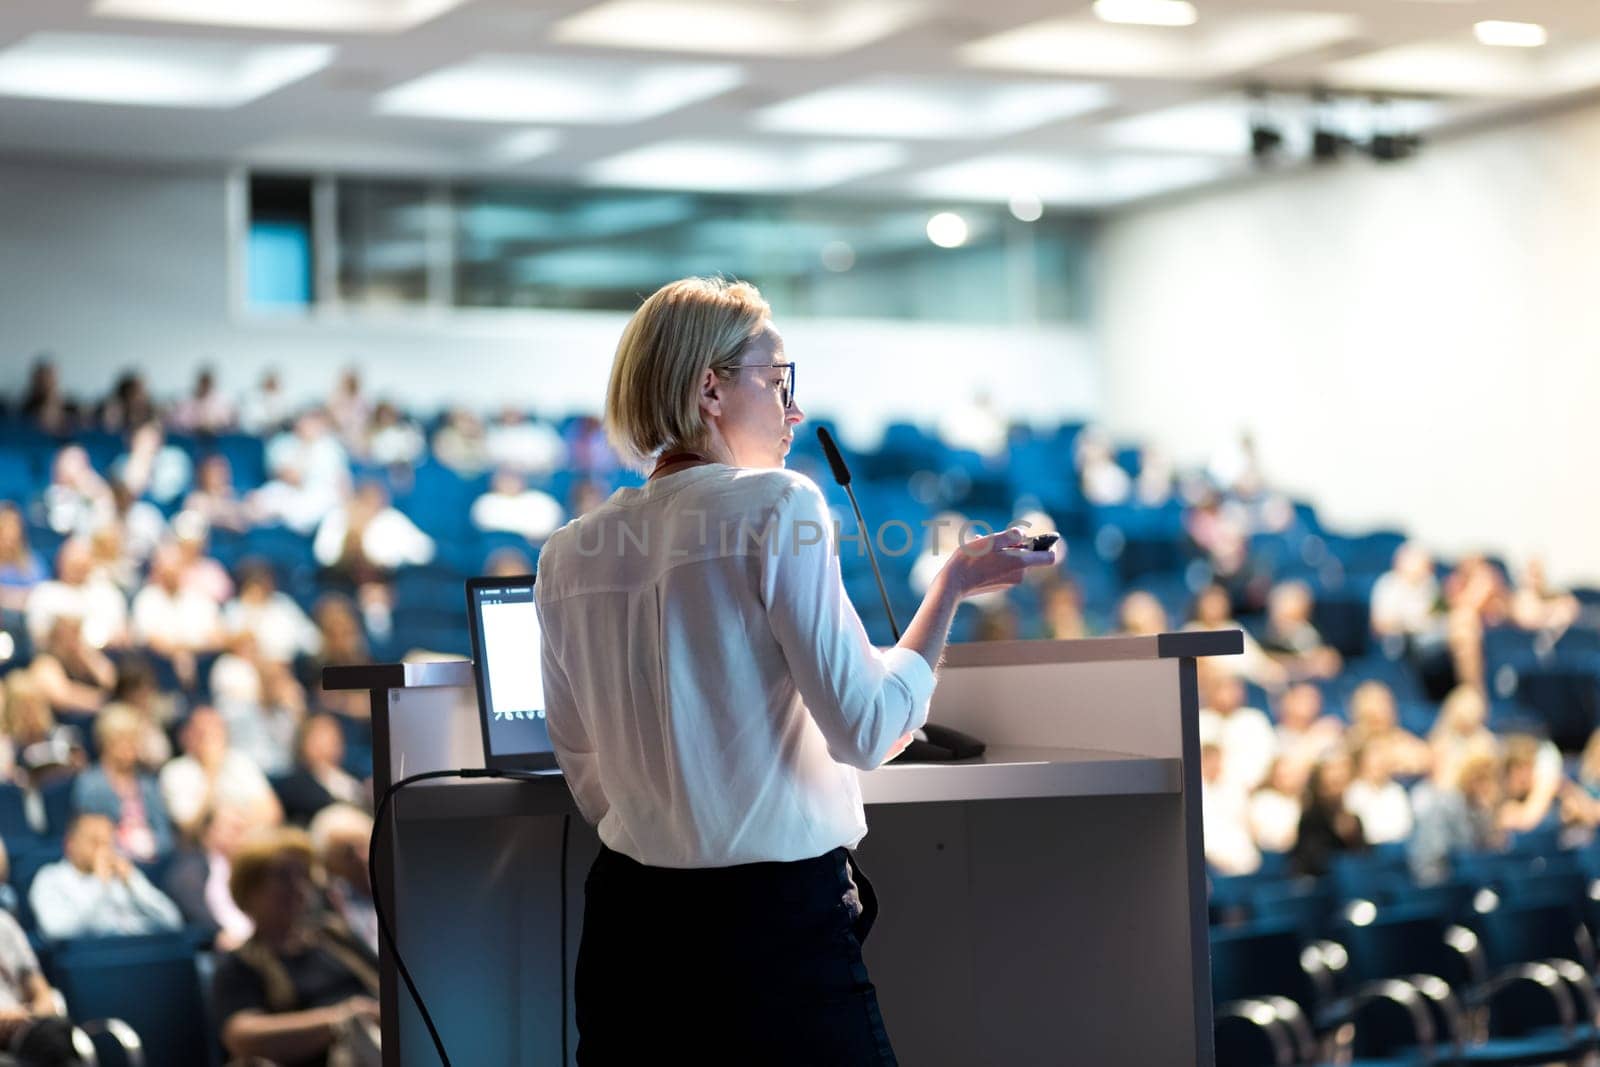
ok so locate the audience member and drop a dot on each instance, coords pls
(205, 410)
(1102, 479)
(1061, 611)
(312, 470)
(1140, 614)
(1535, 605)
(392, 440)
(264, 410)
(128, 404)
(349, 411)
(511, 506)
(282, 630)
(214, 497)
(43, 403)
(1405, 599)
(1382, 804)
(366, 539)
(117, 788)
(340, 836)
(1305, 734)
(211, 774)
(20, 566)
(199, 572)
(135, 528)
(507, 563)
(1291, 639)
(319, 778)
(585, 495)
(1275, 807)
(589, 452)
(524, 445)
(139, 694)
(1327, 826)
(197, 880)
(342, 641)
(1213, 610)
(1374, 719)
(172, 621)
(94, 891)
(152, 469)
(1249, 743)
(1455, 811)
(1460, 732)
(261, 702)
(461, 444)
(1531, 781)
(1220, 528)
(37, 749)
(300, 987)
(72, 674)
(78, 592)
(1225, 813)
(32, 1028)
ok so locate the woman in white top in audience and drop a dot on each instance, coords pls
(1225, 812)
(1275, 807)
(1382, 804)
(212, 773)
(710, 699)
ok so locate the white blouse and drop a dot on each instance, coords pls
(709, 687)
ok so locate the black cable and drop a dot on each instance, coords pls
(383, 921)
(566, 828)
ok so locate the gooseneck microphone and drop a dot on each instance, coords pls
(841, 474)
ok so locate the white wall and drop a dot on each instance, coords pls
(111, 268)
(1416, 344)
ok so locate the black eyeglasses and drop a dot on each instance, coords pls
(786, 389)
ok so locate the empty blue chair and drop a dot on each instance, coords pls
(57, 797)
(149, 981)
(14, 824)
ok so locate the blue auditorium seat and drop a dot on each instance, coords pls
(14, 824)
(1567, 700)
(149, 981)
(57, 797)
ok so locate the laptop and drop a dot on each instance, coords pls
(507, 669)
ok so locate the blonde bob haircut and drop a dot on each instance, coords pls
(684, 329)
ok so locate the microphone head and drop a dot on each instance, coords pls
(841, 473)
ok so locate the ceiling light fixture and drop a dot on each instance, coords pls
(1147, 12)
(947, 230)
(1511, 34)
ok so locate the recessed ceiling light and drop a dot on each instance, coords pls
(1026, 207)
(1085, 47)
(155, 72)
(947, 230)
(735, 29)
(529, 88)
(1078, 180)
(325, 16)
(932, 109)
(1147, 12)
(743, 166)
(1510, 34)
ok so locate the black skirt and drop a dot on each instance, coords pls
(755, 964)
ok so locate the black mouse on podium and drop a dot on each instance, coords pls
(939, 744)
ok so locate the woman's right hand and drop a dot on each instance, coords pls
(995, 562)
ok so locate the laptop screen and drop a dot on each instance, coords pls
(506, 661)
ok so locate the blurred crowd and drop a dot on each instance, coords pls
(174, 575)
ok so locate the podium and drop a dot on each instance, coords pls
(1042, 904)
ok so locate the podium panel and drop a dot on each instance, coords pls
(1041, 904)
